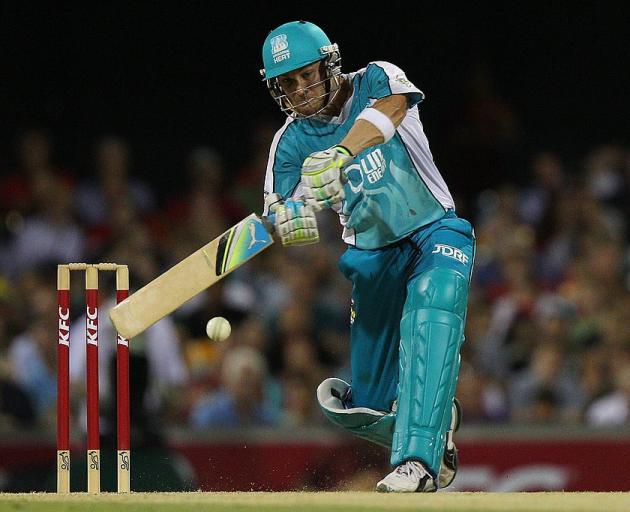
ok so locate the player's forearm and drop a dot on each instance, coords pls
(364, 134)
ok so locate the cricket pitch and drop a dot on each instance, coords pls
(319, 501)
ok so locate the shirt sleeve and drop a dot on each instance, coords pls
(283, 167)
(385, 79)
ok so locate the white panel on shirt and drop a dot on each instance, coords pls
(269, 183)
(349, 235)
(416, 142)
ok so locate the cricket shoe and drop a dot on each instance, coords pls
(450, 460)
(410, 476)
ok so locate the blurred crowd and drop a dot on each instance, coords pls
(547, 340)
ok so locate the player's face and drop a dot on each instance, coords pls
(305, 89)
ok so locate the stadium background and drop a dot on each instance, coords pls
(526, 112)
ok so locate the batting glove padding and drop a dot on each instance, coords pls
(294, 222)
(323, 178)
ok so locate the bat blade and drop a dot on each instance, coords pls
(191, 276)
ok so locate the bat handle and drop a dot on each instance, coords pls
(269, 222)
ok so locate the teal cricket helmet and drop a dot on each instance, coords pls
(292, 46)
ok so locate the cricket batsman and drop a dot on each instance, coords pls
(354, 143)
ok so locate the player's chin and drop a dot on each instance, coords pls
(310, 108)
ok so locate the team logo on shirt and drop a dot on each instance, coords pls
(353, 312)
(402, 79)
(371, 167)
(280, 48)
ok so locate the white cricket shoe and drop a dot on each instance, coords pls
(410, 476)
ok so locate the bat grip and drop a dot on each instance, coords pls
(269, 222)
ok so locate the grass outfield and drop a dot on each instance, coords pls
(320, 501)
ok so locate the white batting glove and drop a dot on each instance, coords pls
(323, 177)
(294, 221)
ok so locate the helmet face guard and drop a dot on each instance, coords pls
(293, 46)
(331, 70)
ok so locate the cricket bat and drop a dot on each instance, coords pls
(191, 276)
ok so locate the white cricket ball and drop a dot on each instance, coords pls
(218, 328)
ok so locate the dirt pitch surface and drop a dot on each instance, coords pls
(320, 501)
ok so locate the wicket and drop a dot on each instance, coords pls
(123, 460)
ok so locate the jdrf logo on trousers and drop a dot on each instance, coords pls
(451, 252)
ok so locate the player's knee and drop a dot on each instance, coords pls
(441, 288)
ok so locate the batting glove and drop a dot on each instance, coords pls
(323, 178)
(294, 221)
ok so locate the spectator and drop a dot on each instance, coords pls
(49, 235)
(240, 401)
(547, 390)
(32, 356)
(201, 211)
(299, 406)
(114, 187)
(613, 409)
(113, 201)
(24, 188)
(549, 181)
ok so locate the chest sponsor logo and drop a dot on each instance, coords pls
(371, 167)
(450, 252)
